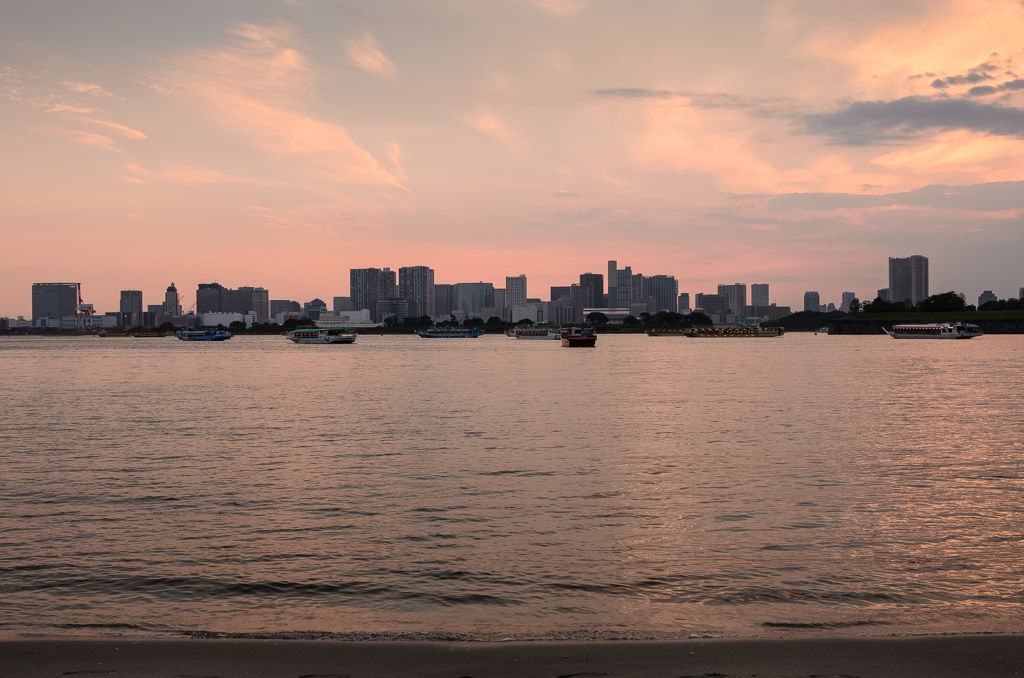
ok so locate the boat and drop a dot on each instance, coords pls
(203, 335)
(722, 332)
(822, 330)
(148, 335)
(114, 333)
(953, 330)
(536, 333)
(322, 335)
(575, 337)
(450, 333)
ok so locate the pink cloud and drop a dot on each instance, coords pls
(121, 129)
(77, 137)
(68, 108)
(87, 88)
(365, 53)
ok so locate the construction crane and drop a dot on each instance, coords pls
(83, 314)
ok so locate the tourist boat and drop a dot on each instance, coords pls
(727, 332)
(576, 337)
(148, 335)
(536, 333)
(203, 335)
(934, 331)
(322, 335)
(114, 333)
(450, 333)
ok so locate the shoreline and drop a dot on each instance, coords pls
(952, 655)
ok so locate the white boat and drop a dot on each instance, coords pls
(934, 331)
(322, 335)
(536, 333)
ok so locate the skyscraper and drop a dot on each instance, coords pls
(613, 281)
(908, 279)
(444, 300)
(664, 289)
(416, 283)
(367, 286)
(172, 306)
(623, 287)
(131, 301)
(595, 281)
(472, 298)
(737, 295)
(812, 301)
(759, 294)
(515, 290)
(684, 302)
(255, 299)
(848, 298)
(54, 300)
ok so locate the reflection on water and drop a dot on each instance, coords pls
(859, 484)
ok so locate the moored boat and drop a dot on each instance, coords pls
(114, 333)
(575, 337)
(721, 332)
(322, 335)
(203, 335)
(148, 335)
(450, 333)
(953, 330)
(536, 333)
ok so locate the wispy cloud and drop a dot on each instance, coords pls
(486, 122)
(68, 108)
(76, 137)
(365, 53)
(87, 88)
(560, 7)
(120, 129)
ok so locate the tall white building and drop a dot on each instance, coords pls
(515, 290)
(172, 306)
(908, 279)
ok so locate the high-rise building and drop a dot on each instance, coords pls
(499, 297)
(313, 309)
(986, 297)
(54, 300)
(883, 294)
(712, 303)
(472, 298)
(283, 306)
(256, 299)
(215, 298)
(812, 301)
(623, 287)
(559, 291)
(417, 284)
(684, 302)
(595, 281)
(759, 294)
(367, 286)
(908, 279)
(1020, 295)
(848, 298)
(737, 295)
(515, 290)
(131, 307)
(613, 281)
(342, 305)
(444, 300)
(664, 289)
(172, 305)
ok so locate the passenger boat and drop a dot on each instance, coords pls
(574, 337)
(148, 335)
(322, 335)
(712, 332)
(446, 333)
(115, 333)
(934, 331)
(536, 333)
(203, 335)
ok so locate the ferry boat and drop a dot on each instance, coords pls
(574, 337)
(203, 335)
(748, 332)
(148, 335)
(114, 333)
(322, 335)
(536, 333)
(446, 333)
(934, 331)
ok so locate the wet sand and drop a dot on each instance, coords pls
(931, 656)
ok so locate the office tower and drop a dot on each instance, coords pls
(623, 287)
(613, 281)
(636, 288)
(737, 295)
(313, 309)
(1020, 295)
(342, 304)
(416, 283)
(664, 289)
(759, 294)
(684, 302)
(280, 306)
(883, 294)
(986, 297)
(499, 297)
(472, 298)
(131, 301)
(848, 298)
(557, 292)
(595, 281)
(908, 279)
(444, 300)
(255, 299)
(515, 290)
(367, 286)
(54, 300)
(712, 303)
(172, 305)
(812, 301)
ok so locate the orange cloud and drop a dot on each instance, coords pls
(87, 88)
(76, 137)
(121, 129)
(559, 7)
(67, 108)
(486, 122)
(365, 53)
(982, 157)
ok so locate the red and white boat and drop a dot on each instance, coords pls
(934, 331)
(574, 337)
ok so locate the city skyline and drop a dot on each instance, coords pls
(789, 142)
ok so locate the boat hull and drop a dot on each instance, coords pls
(935, 331)
(579, 342)
(720, 333)
(450, 334)
(211, 335)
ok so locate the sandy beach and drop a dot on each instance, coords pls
(931, 656)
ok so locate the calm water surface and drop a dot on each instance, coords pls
(661, 485)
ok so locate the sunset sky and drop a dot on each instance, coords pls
(280, 143)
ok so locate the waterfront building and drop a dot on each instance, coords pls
(559, 291)
(769, 312)
(515, 290)
(759, 294)
(908, 279)
(471, 298)
(684, 303)
(416, 283)
(215, 298)
(131, 307)
(313, 309)
(499, 297)
(399, 309)
(54, 300)
(613, 281)
(711, 303)
(737, 295)
(595, 281)
(986, 297)
(444, 300)
(624, 287)
(665, 291)
(1020, 295)
(257, 300)
(883, 294)
(368, 285)
(812, 301)
(221, 318)
(342, 304)
(284, 306)
(848, 298)
(172, 305)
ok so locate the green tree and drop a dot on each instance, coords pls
(855, 306)
(597, 318)
(943, 303)
(630, 320)
(472, 322)
(167, 326)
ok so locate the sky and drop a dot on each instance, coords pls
(281, 143)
